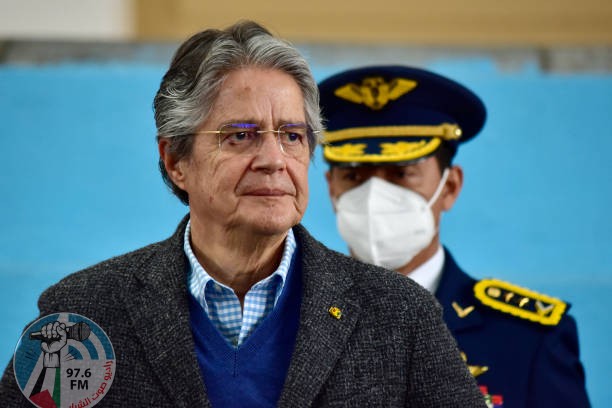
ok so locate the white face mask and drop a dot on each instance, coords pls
(385, 224)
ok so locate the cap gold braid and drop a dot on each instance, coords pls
(444, 131)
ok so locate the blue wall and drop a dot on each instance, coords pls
(80, 184)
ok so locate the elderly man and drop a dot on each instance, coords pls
(392, 134)
(241, 307)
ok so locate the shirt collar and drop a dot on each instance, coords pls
(428, 274)
(198, 278)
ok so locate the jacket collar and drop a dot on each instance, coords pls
(457, 287)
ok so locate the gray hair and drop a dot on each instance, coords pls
(197, 71)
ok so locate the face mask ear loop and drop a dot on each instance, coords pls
(436, 194)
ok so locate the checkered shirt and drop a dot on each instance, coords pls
(221, 303)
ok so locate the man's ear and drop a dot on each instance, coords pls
(330, 186)
(453, 186)
(173, 167)
(328, 177)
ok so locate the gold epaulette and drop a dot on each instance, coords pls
(520, 302)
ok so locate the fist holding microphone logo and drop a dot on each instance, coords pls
(54, 337)
(64, 360)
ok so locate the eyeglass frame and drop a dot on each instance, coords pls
(258, 131)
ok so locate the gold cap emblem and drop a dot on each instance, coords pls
(375, 92)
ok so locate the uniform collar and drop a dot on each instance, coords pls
(428, 274)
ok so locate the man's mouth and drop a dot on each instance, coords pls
(266, 192)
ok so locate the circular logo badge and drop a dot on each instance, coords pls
(64, 360)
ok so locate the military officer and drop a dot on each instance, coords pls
(392, 133)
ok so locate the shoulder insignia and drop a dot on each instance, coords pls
(520, 302)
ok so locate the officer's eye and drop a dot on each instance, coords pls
(405, 172)
(351, 176)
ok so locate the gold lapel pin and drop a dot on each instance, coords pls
(336, 312)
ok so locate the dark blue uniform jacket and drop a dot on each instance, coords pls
(529, 364)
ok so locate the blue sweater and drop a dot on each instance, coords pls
(253, 374)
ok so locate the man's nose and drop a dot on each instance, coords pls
(374, 171)
(269, 155)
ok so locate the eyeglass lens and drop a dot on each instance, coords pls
(244, 137)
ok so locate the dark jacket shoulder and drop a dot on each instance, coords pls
(105, 282)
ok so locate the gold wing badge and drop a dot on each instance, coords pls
(474, 369)
(520, 302)
(375, 92)
(461, 311)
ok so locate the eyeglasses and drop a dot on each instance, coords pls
(240, 138)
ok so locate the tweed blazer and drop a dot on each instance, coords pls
(389, 348)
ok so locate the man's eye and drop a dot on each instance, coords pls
(291, 137)
(239, 137)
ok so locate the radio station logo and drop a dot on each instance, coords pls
(64, 360)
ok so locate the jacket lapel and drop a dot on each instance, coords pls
(322, 334)
(456, 295)
(157, 303)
